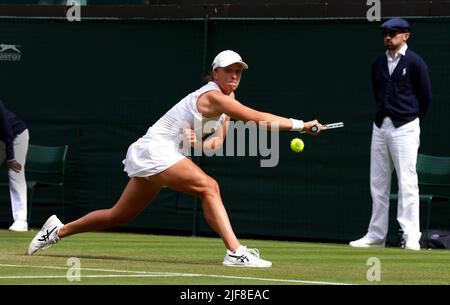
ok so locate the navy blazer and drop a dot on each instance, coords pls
(404, 95)
(10, 127)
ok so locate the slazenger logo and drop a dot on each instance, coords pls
(10, 52)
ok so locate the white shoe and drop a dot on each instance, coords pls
(411, 241)
(244, 257)
(367, 243)
(412, 245)
(47, 236)
(19, 226)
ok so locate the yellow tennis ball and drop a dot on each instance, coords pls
(297, 145)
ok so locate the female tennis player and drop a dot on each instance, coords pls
(155, 161)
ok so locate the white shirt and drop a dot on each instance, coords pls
(185, 115)
(392, 62)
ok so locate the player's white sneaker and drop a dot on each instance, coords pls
(244, 257)
(367, 243)
(19, 226)
(47, 236)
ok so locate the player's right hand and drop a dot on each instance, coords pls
(309, 128)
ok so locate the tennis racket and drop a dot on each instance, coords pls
(314, 128)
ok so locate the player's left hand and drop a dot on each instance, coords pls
(189, 134)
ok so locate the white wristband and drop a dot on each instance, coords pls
(297, 125)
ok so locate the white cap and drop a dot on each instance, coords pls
(226, 58)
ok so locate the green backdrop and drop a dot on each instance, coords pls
(98, 85)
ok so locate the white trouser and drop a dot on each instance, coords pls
(394, 148)
(17, 182)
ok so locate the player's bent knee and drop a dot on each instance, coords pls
(208, 187)
(214, 186)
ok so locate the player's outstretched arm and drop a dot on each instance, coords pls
(216, 103)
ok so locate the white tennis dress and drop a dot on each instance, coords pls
(159, 148)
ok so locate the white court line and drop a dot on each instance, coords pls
(153, 274)
(84, 276)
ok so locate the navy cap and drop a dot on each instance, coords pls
(397, 24)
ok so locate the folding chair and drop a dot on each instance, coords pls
(45, 167)
(434, 183)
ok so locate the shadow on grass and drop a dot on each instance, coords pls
(166, 260)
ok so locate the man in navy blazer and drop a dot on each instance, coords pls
(13, 148)
(402, 90)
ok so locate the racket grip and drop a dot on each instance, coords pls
(314, 128)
